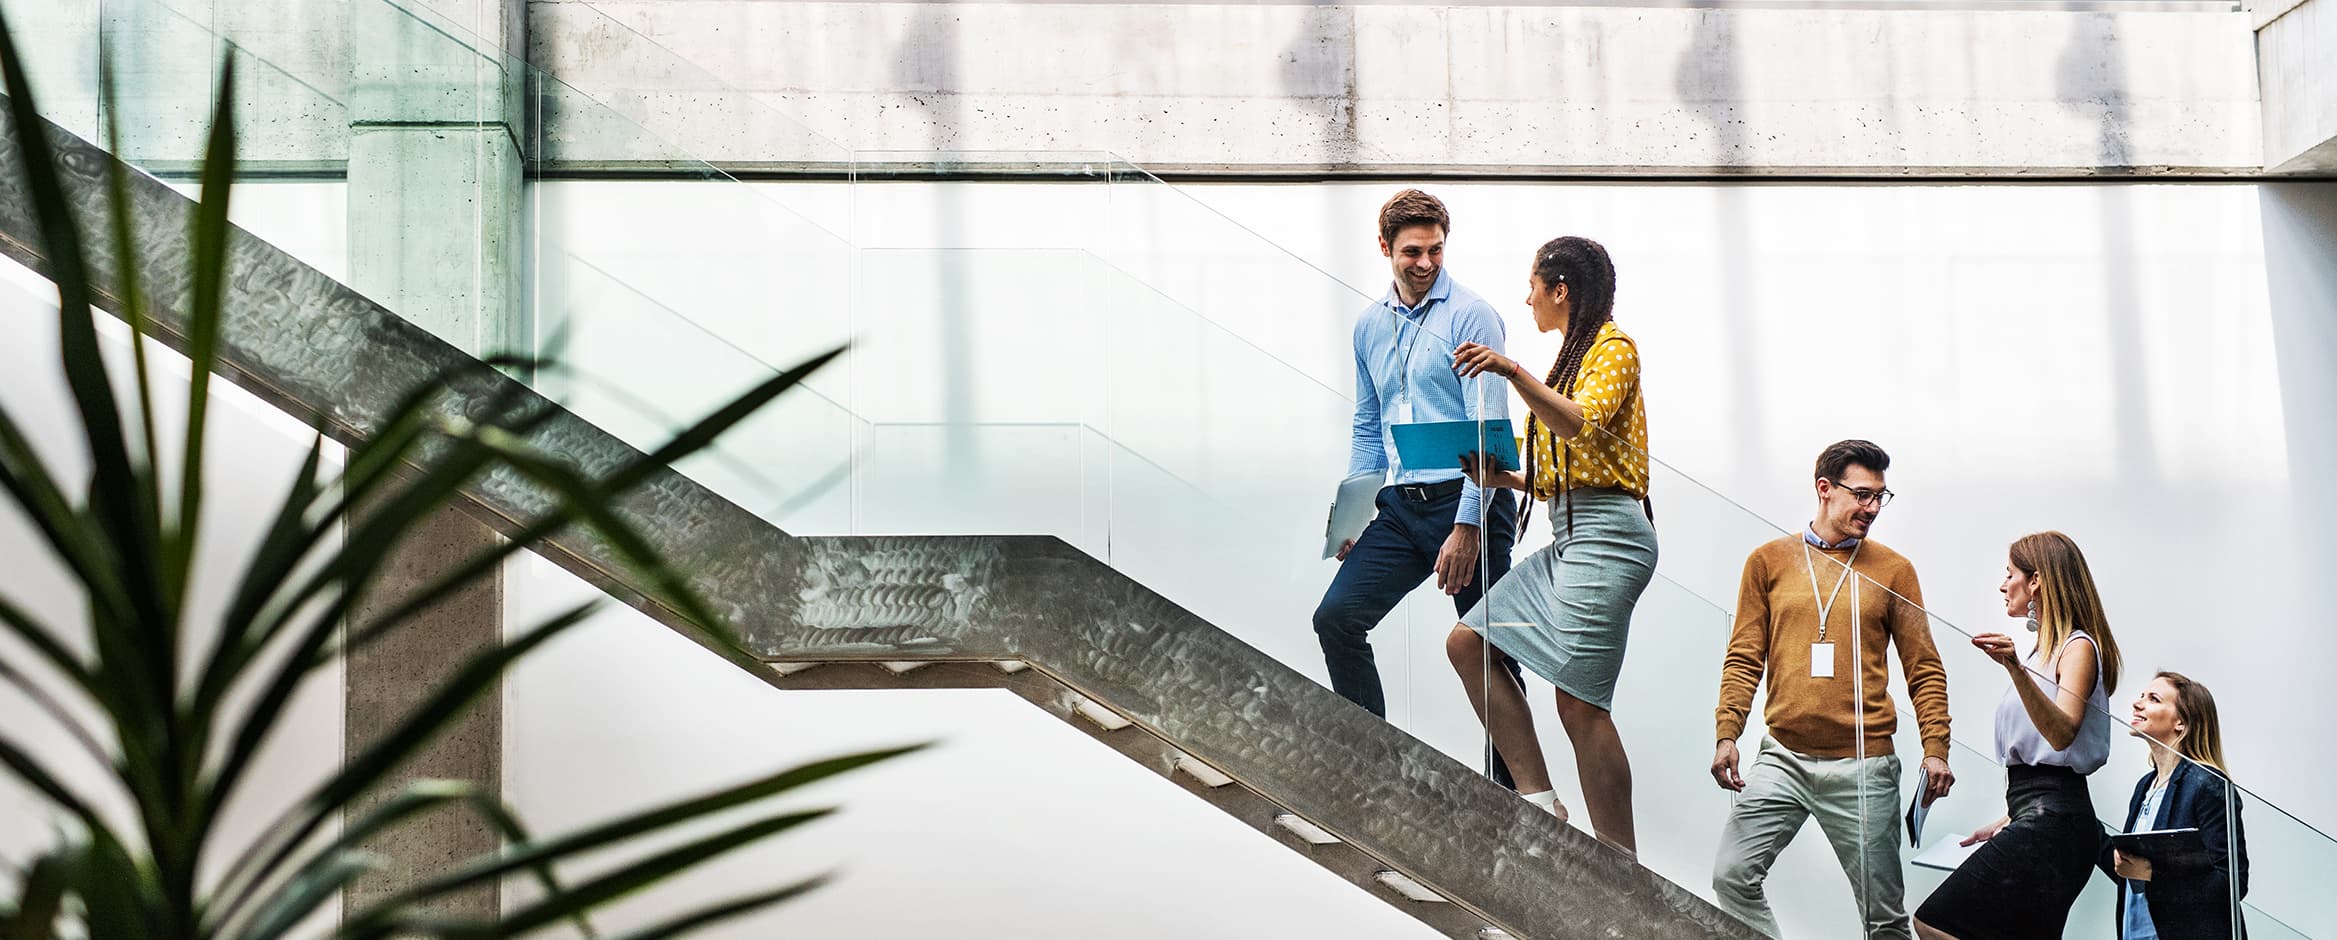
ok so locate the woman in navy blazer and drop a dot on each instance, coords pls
(2179, 898)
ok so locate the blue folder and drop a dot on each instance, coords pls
(1438, 445)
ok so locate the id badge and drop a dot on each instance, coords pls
(1821, 660)
(1404, 410)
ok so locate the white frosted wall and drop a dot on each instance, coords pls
(1153, 382)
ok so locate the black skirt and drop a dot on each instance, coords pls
(2021, 883)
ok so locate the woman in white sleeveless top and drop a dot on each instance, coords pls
(2052, 729)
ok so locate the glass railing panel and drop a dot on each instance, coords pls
(165, 63)
(979, 199)
(1218, 410)
(655, 328)
(1234, 277)
(970, 335)
(58, 45)
(356, 127)
(662, 91)
(779, 290)
(1663, 711)
(988, 201)
(366, 87)
(2262, 926)
(289, 182)
(682, 324)
(1705, 535)
(1218, 464)
(975, 306)
(686, 323)
(790, 462)
(2287, 857)
(1206, 408)
(409, 167)
(1167, 481)
(976, 478)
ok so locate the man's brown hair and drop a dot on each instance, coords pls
(1840, 456)
(1409, 208)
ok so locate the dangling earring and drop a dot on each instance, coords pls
(2032, 615)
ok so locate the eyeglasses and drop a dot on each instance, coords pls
(1866, 497)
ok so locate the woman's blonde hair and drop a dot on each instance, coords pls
(2066, 599)
(2202, 730)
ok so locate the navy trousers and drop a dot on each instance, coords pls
(1393, 556)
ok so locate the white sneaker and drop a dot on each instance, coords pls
(1548, 801)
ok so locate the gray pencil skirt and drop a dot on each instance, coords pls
(1565, 611)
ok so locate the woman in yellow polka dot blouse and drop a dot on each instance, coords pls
(1565, 611)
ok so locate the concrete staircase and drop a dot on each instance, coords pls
(1067, 633)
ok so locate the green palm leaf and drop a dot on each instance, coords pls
(709, 916)
(40, 900)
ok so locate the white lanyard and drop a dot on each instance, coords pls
(1826, 606)
(1403, 409)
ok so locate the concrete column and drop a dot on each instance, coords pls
(2296, 61)
(436, 235)
(435, 168)
(388, 679)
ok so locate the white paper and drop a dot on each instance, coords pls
(1351, 510)
(1947, 853)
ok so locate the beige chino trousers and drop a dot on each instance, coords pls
(1856, 802)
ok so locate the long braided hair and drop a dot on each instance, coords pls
(1589, 275)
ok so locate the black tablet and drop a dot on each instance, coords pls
(2157, 844)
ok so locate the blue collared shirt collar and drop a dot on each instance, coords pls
(1810, 534)
(1438, 292)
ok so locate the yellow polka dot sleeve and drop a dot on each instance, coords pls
(1609, 380)
(1611, 451)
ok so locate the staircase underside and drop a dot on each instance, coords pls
(1028, 614)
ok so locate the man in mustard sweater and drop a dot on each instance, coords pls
(1816, 613)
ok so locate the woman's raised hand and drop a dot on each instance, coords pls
(1474, 359)
(2000, 648)
(1987, 832)
(1483, 471)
